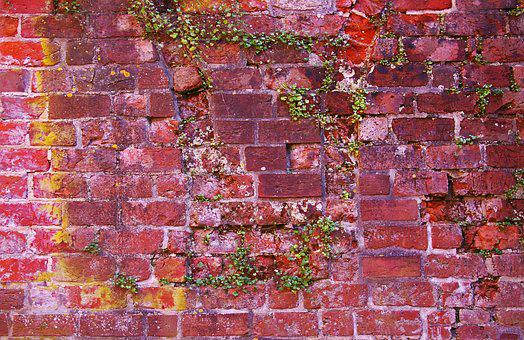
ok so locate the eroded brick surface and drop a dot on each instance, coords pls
(92, 155)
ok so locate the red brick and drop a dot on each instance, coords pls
(398, 237)
(111, 132)
(111, 325)
(500, 294)
(12, 133)
(475, 5)
(281, 299)
(390, 157)
(52, 26)
(287, 131)
(409, 75)
(483, 183)
(488, 129)
(374, 184)
(78, 106)
(235, 132)
(413, 24)
(80, 52)
(24, 6)
(453, 210)
(151, 159)
(415, 183)
(13, 186)
(171, 268)
(28, 53)
(152, 77)
(446, 102)
(399, 266)
(83, 160)
(446, 236)
(171, 186)
(131, 242)
(416, 293)
(488, 237)
(265, 158)
(335, 295)
(434, 49)
(502, 156)
(112, 25)
(59, 185)
(83, 268)
(337, 323)
(474, 23)
(21, 269)
(14, 80)
(214, 298)
(453, 157)
(12, 242)
(215, 324)
(223, 53)
(466, 266)
(43, 325)
(23, 160)
(49, 81)
(29, 213)
(23, 107)
(388, 210)
(503, 49)
(513, 318)
(52, 134)
(508, 265)
(8, 26)
(290, 185)
(138, 268)
(11, 299)
(162, 325)
(395, 323)
(474, 317)
(126, 52)
(286, 324)
(410, 5)
(237, 79)
(92, 213)
(159, 213)
(423, 129)
(240, 105)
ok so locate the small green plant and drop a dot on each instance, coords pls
(203, 198)
(242, 270)
(469, 140)
(483, 94)
(489, 252)
(345, 195)
(479, 47)
(428, 66)
(313, 236)
(126, 282)
(517, 11)
(301, 103)
(67, 6)
(518, 189)
(359, 104)
(400, 58)
(513, 86)
(93, 248)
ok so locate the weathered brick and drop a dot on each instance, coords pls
(215, 324)
(453, 157)
(287, 131)
(398, 266)
(502, 156)
(112, 325)
(466, 266)
(28, 53)
(83, 160)
(503, 49)
(29, 213)
(8, 26)
(286, 324)
(21, 269)
(11, 299)
(337, 323)
(434, 49)
(390, 157)
(410, 5)
(43, 325)
(23, 160)
(409, 75)
(241, 105)
(52, 134)
(162, 325)
(374, 184)
(52, 26)
(235, 132)
(265, 158)
(14, 80)
(415, 183)
(78, 106)
(423, 129)
(389, 210)
(159, 213)
(150, 159)
(13, 133)
(416, 293)
(396, 323)
(13, 186)
(290, 185)
(397, 237)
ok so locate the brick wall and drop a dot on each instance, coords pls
(90, 152)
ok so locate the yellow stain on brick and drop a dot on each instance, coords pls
(51, 57)
(44, 277)
(38, 81)
(162, 298)
(125, 73)
(102, 298)
(45, 136)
